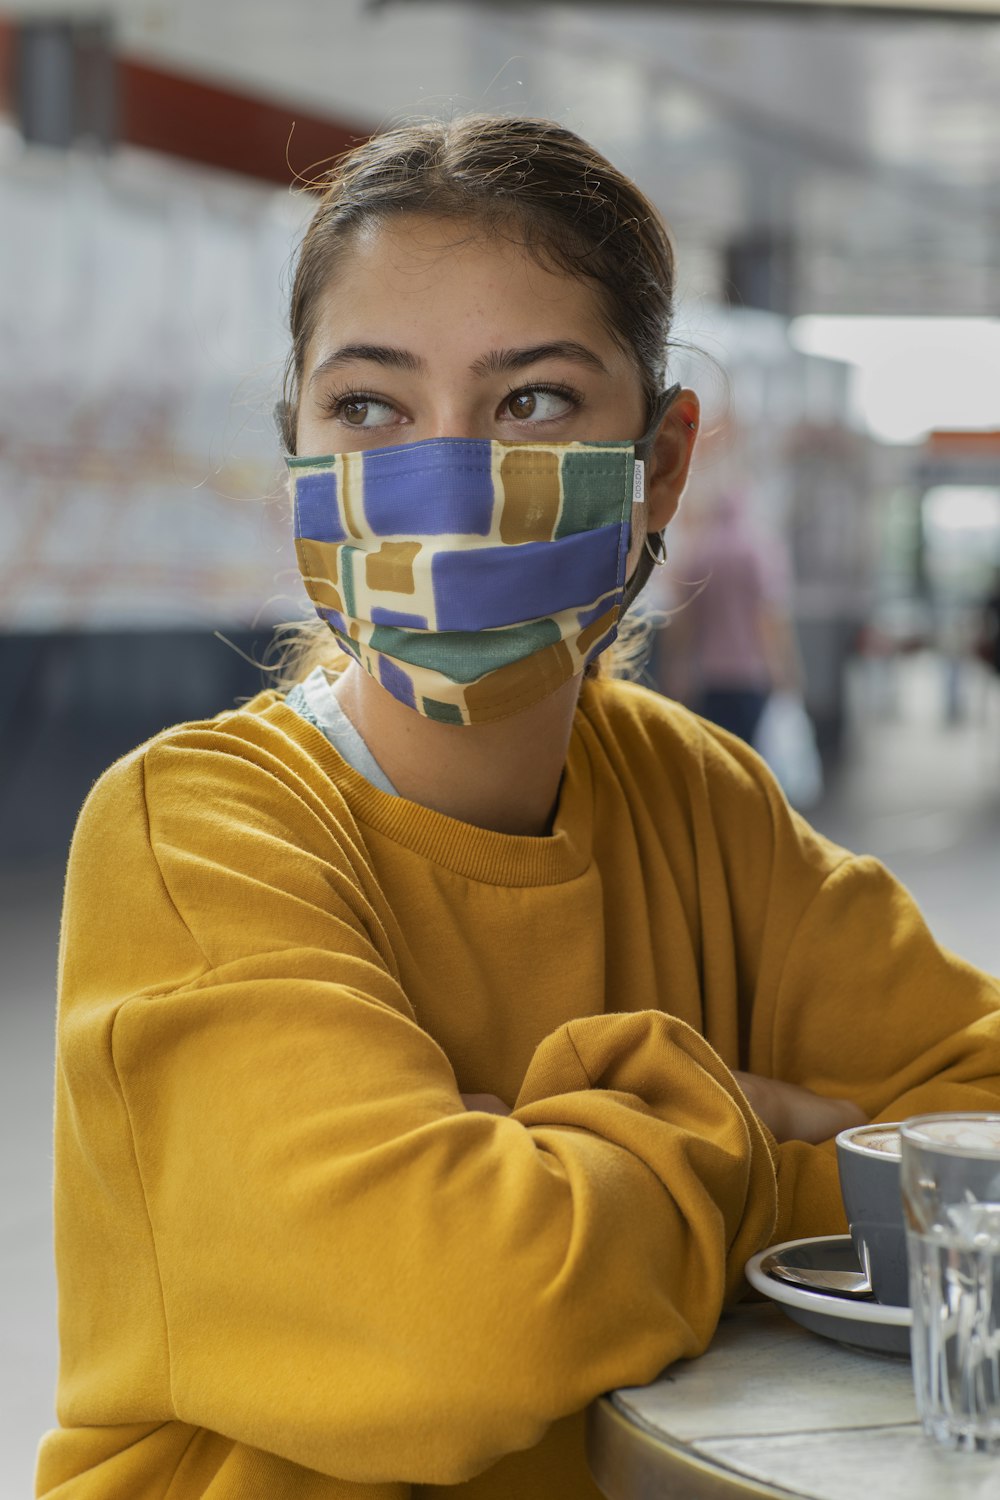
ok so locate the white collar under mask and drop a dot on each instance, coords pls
(473, 577)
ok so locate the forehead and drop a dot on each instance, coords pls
(442, 282)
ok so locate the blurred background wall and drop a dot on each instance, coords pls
(832, 179)
(814, 167)
(819, 171)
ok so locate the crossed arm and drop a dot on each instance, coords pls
(790, 1113)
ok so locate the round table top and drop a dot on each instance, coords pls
(771, 1410)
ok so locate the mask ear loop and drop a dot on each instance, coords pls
(642, 450)
(644, 445)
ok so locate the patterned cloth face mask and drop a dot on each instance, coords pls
(471, 577)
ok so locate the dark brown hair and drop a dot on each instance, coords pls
(530, 178)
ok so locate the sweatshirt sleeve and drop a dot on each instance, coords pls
(867, 1006)
(837, 983)
(357, 1273)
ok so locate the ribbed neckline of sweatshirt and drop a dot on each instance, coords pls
(477, 853)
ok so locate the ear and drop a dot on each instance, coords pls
(670, 459)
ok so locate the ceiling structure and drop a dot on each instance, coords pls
(946, 10)
(822, 160)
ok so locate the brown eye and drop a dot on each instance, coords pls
(523, 404)
(356, 409)
(534, 404)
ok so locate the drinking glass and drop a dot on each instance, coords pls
(951, 1201)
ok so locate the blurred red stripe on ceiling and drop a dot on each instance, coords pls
(950, 441)
(223, 127)
(218, 126)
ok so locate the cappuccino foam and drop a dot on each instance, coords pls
(883, 1138)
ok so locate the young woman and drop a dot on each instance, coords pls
(437, 1041)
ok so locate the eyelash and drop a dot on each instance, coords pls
(335, 402)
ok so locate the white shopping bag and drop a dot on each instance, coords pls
(786, 739)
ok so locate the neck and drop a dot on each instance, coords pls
(502, 776)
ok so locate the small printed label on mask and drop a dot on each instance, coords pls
(639, 483)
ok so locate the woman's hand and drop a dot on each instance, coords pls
(792, 1113)
(488, 1103)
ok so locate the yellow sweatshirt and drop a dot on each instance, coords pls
(292, 1265)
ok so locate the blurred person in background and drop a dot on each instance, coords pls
(439, 1035)
(990, 638)
(732, 643)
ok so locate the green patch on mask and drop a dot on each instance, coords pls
(347, 556)
(444, 713)
(464, 655)
(595, 487)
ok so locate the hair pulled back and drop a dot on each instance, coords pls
(528, 178)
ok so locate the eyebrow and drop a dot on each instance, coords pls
(376, 354)
(497, 362)
(500, 361)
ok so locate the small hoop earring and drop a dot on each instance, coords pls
(660, 558)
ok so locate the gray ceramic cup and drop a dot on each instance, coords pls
(868, 1158)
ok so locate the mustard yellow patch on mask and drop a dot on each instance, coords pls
(510, 688)
(531, 492)
(317, 564)
(390, 569)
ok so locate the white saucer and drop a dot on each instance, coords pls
(863, 1325)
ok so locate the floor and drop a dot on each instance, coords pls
(919, 787)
